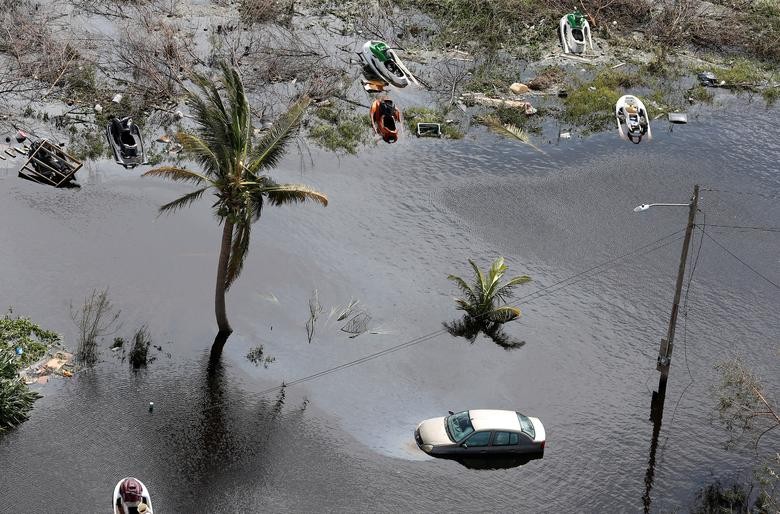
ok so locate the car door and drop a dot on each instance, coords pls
(477, 443)
(505, 443)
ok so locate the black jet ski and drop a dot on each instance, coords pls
(125, 139)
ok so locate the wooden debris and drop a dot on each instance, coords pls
(49, 164)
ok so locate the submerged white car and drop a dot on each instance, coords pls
(483, 433)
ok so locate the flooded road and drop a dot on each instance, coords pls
(401, 218)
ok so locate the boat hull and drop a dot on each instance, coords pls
(128, 146)
(631, 114)
(389, 71)
(119, 508)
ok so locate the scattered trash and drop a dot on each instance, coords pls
(124, 136)
(591, 88)
(563, 93)
(20, 151)
(373, 86)
(678, 117)
(10, 152)
(481, 99)
(98, 108)
(117, 98)
(519, 88)
(565, 135)
(21, 136)
(618, 65)
(428, 130)
(151, 406)
(165, 138)
(178, 115)
(708, 79)
(19, 351)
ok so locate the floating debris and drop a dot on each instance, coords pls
(708, 79)
(519, 88)
(678, 117)
(428, 130)
(98, 108)
(49, 164)
(117, 98)
(481, 99)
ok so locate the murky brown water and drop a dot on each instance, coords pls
(400, 219)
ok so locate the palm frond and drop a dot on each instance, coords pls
(271, 146)
(177, 174)
(510, 131)
(479, 281)
(464, 287)
(506, 291)
(281, 194)
(184, 201)
(502, 314)
(195, 147)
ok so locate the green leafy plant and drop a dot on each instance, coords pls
(481, 303)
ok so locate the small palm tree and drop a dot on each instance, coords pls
(480, 303)
(233, 170)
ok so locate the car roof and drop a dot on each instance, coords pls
(488, 419)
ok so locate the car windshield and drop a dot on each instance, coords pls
(459, 426)
(526, 425)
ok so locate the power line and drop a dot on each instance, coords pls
(431, 335)
(761, 229)
(748, 266)
(750, 193)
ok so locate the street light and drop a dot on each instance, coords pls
(665, 352)
(645, 206)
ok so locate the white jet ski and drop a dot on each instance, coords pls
(631, 113)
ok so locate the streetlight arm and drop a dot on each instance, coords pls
(645, 206)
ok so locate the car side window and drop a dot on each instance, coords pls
(479, 439)
(505, 439)
(501, 439)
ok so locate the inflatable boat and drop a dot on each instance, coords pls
(386, 119)
(382, 61)
(573, 30)
(631, 113)
(125, 139)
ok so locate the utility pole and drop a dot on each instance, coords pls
(667, 343)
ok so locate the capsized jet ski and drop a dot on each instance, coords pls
(573, 30)
(383, 62)
(385, 118)
(131, 497)
(631, 113)
(125, 139)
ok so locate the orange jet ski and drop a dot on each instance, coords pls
(385, 118)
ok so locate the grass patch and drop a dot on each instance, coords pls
(489, 78)
(517, 117)
(771, 94)
(339, 131)
(592, 104)
(701, 94)
(415, 115)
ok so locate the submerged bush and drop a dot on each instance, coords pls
(22, 333)
(341, 132)
(139, 352)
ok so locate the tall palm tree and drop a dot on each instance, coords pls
(480, 303)
(234, 171)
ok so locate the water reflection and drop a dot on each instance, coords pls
(469, 328)
(656, 415)
(502, 462)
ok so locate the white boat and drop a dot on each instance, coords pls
(573, 30)
(383, 62)
(131, 497)
(631, 113)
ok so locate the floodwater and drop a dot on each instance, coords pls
(401, 218)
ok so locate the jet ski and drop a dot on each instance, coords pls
(131, 497)
(382, 61)
(125, 139)
(631, 113)
(573, 29)
(385, 118)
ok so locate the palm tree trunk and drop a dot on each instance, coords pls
(219, 297)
